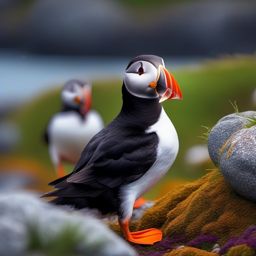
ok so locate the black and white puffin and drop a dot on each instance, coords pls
(71, 129)
(131, 154)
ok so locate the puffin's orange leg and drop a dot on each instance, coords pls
(139, 202)
(147, 236)
(60, 170)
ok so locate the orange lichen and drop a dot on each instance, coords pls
(206, 206)
(189, 251)
(241, 250)
(170, 187)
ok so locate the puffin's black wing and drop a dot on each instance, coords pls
(118, 161)
(86, 154)
(112, 159)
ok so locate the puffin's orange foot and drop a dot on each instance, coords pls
(147, 236)
(139, 202)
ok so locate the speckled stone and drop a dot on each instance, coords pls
(238, 162)
(232, 147)
(223, 130)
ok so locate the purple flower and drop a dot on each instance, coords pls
(202, 240)
(248, 237)
(251, 231)
(159, 249)
(170, 242)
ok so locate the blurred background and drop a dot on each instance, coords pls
(208, 45)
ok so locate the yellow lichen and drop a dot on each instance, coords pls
(241, 250)
(189, 251)
(229, 146)
(206, 206)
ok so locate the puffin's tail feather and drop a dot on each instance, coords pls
(59, 180)
(77, 203)
(80, 197)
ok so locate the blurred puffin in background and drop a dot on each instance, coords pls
(71, 129)
(130, 155)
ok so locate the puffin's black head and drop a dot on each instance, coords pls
(77, 94)
(147, 77)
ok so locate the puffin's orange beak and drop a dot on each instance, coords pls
(166, 86)
(78, 100)
(88, 100)
(84, 101)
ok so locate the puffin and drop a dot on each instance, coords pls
(131, 154)
(73, 127)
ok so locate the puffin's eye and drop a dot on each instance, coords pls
(140, 71)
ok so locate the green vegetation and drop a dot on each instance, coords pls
(207, 90)
(54, 246)
(252, 122)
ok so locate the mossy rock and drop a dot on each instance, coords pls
(206, 206)
(241, 250)
(189, 251)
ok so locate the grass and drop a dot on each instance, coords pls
(235, 106)
(252, 122)
(208, 91)
(205, 134)
(54, 246)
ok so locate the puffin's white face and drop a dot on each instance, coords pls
(138, 77)
(144, 80)
(74, 94)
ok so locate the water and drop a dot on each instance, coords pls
(23, 76)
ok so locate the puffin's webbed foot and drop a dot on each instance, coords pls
(146, 237)
(139, 203)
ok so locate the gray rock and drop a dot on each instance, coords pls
(13, 237)
(9, 136)
(232, 147)
(21, 211)
(223, 130)
(238, 162)
(11, 180)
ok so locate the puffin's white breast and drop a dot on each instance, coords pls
(167, 151)
(69, 133)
